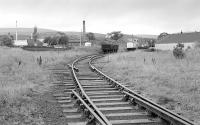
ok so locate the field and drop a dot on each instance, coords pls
(173, 83)
(22, 79)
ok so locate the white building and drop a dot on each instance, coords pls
(88, 44)
(170, 46)
(170, 41)
(20, 43)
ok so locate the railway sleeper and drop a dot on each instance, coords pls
(100, 89)
(109, 110)
(138, 122)
(102, 93)
(96, 86)
(128, 116)
(112, 104)
(105, 96)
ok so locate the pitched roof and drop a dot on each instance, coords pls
(183, 38)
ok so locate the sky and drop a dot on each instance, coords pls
(103, 16)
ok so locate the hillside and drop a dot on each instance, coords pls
(25, 33)
(183, 38)
(147, 36)
(23, 30)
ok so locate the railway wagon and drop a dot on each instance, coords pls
(109, 48)
(131, 46)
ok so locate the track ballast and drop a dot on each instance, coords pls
(104, 101)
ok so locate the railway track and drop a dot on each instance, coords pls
(91, 97)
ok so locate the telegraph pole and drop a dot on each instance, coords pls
(16, 30)
(80, 37)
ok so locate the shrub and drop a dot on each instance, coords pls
(90, 36)
(7, 41)
(59, 39)
(197, 44)
(178, 51)
(115, 35)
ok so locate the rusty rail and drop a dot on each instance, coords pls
(135, 98)
(81, 91)
(88, 112)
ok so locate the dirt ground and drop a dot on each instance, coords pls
(35, 108)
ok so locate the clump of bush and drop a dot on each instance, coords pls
(197, 44)
(178, 51)
(6, 40)
(58, 39)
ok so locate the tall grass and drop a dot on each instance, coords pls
(22, 79)
(172, 83)
(20, 72)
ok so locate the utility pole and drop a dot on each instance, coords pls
(132, 37)
(80, 37)
(16, 30)
(31, 35)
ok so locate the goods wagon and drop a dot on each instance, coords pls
(109, 48)
(131, 46)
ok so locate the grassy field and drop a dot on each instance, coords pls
(21, 76)
(173, 83)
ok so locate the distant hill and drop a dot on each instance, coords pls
(183, 38)
(147, 36)
(25, 33)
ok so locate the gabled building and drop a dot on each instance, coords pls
(168, 42)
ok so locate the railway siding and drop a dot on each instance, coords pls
(89, 97)
(142, 102)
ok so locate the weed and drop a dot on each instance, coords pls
(178, 51)
(165, 80)
(23, 73)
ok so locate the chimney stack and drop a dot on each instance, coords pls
(84, 31)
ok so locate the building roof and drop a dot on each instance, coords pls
(183, 38)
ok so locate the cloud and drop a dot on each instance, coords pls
(130, 16)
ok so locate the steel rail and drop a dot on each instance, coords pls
(82, 92)
(160, 111)
(100, 121)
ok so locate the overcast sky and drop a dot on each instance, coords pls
(102, 16)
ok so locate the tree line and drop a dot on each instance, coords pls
(7, 40)
(59, 39)
(62, 39)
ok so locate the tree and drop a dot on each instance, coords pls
(54, 40)
(58, 39)
(7, 41)
(63, 40)
(35, 34)
(178, 51)
(90, 36)
(151, 43)
(115, 35)
(162, 35)
(47, 40)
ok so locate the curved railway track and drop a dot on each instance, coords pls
(104, 101)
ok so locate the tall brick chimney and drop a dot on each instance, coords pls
(84, 31)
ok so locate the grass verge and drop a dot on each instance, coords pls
(173, 83)
(22, 79)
